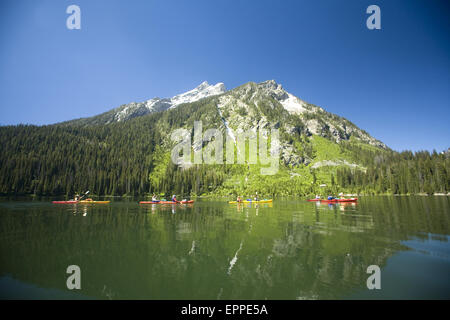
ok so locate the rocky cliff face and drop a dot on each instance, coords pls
(267, 104)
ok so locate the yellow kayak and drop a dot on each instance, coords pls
(252, 201)
(93, 201)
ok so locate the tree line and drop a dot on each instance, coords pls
(398, 173)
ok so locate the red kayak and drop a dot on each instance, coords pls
(340, 200)
(69, 201)
(166, 202)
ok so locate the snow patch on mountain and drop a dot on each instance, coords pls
(289, 102)
(227, 127)
(134, 109)
(202, 91)
(293, 104)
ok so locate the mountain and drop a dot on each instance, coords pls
(138, 109)
(251, 106)
(127, 150)
(242, 104)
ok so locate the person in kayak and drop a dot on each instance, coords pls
(317, 196)
(154, 199)
(256, 197)
(331, 198)
(174, 198)
(238, 199)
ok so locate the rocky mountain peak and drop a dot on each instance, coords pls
(134, 109)
(271, 84)
(202, 91)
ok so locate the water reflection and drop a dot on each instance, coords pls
(173, 208)
(289, 249)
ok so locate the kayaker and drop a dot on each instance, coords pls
(256, 197)
(317, 196)
(330, 198)
(154, 199)
(238, 199)
(77, 196)
(174, 198)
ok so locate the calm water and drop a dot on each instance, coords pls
(291, 249)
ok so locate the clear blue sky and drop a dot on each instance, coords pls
(393, 82)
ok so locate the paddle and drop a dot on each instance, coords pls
(83, 195)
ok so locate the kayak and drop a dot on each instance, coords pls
(252, 201)
(93, 201)
(166, 202)
(340, 200)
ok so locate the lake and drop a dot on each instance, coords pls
(290, 249)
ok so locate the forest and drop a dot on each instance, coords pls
(399, 173)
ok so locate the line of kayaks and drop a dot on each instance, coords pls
(314, 200)
(87, 201)
(105, 202)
